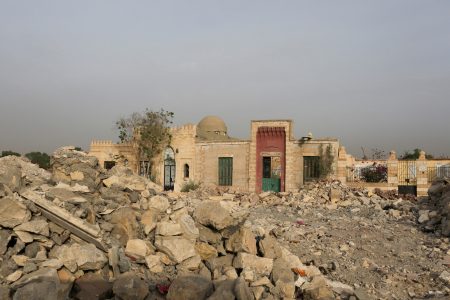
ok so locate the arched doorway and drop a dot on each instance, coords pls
(169, 169)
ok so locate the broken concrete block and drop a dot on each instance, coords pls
(149, 219)
(154, 263)
(188, 227)
(261, 265)
(137, 250)
(205, 250)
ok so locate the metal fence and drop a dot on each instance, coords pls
(437, 172)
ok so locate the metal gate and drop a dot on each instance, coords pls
(169, 169)
(169, 175)
(407, 177)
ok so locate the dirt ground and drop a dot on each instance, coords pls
(381, 252)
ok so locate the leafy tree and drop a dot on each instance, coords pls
(9, 152)
(326, 161)
(149, 131)
(40, 158)
(414, 154)
(78, 149)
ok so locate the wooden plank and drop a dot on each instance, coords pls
(61, 217)
(61, 213)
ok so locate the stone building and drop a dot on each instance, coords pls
(272, 159)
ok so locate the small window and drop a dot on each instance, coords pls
(186, 171)
(311, 168)
(109, 164)
(225, 171)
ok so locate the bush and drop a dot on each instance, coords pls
(375, 173)
(190, 186)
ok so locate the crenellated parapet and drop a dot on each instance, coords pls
(187, 129)
(101, 142)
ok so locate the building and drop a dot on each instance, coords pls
(272, 159)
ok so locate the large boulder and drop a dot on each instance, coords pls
(159, 203)
(83, 257)
(193, 287)
(12, 212)
(92, 286)
(129, 286)
(212, 213)
(125, 225)
(35, 226)
(261, 265)
(41, 284)
(10, 175)
(138, 249)
(242, 240)
(317, 289)
(223, 290)
(176, 248)
(283, 278)
(168, 229)
(436, 189)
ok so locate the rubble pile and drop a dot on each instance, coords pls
(435, 212)
(85, 233)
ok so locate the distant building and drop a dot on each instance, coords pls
(272, 159)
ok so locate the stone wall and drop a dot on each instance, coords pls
(106, 150)
(207, 162)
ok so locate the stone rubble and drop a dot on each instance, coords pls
(214, 244)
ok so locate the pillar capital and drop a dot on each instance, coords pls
(422, 155)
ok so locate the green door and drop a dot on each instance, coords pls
(226, 171)
(270, 182)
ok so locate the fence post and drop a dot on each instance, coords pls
(392, 165)
(422, 175)
(342, 165)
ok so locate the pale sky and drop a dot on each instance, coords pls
(371, 73)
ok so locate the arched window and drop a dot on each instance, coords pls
(186, 171)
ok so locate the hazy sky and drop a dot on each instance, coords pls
(371, 73)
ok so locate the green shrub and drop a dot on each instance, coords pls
(190, 186)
